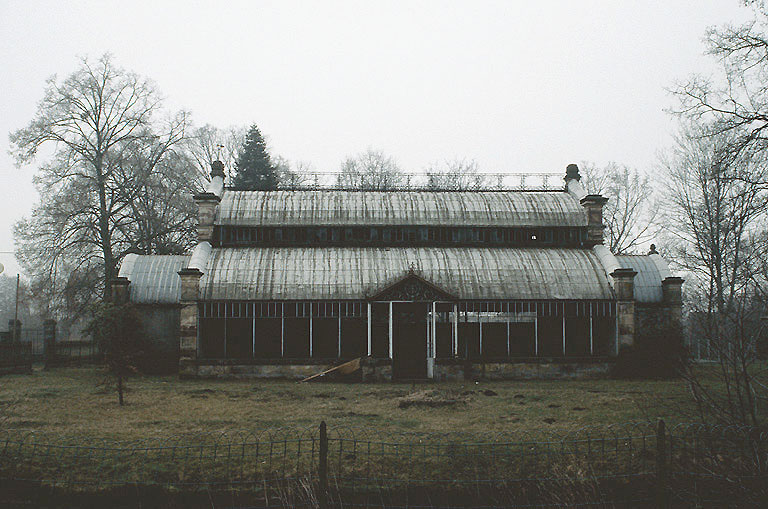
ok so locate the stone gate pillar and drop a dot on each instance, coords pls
(624, 284)
(49, 342)
(190, 289)
(672, 296)
(120, 290)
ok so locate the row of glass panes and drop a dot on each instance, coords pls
(305, 235)
(278, 309)
(543, 308)
(360, 308)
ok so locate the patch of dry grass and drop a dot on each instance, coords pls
(70, 402)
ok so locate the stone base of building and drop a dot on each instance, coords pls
(380, 370)
(535, 369)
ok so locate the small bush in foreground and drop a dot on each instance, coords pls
(115, 328)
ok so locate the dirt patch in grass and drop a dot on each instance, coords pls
(431, 399)
(199, 392)
(386, 394)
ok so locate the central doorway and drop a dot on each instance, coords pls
(409, 340)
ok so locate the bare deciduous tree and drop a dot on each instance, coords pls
(291, 175)
(457, 175)
(100, 191)
(371, 169)
(718, 223)
(736, 99)
(630, 214)
(208, 143)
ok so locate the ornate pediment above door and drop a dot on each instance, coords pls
(413, 288)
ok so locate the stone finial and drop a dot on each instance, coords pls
(653, 250)
(217, 169)
(572, 172)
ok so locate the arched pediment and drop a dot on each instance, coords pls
(413, 288)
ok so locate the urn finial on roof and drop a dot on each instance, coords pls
(653, 250)
(572, 172)
(217, 169)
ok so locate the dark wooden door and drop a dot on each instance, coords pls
(409, 341)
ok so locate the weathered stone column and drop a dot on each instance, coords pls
(206, 209)
(190, 288)
(14, 330)
(672, 296)
(594, 203)
(624, 284)
(207, 202)
(120, 290)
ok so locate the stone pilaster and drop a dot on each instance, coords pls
(672, 296)
(190, 289)
(593, 203)
(624, 284)
(206, 210)
(121, 290)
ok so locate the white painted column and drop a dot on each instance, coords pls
(370, 337)
(253, 333)
(310, 330)
(339, 349)
(563, 330)
(591, 346)
(225, 331)
(391, 329)
(282, 330)
(455, 330)
(434, 329)
(480, 321)
(536, 334)
(508, 340)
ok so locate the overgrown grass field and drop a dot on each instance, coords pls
(74, 402)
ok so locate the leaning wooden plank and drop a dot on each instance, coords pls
(343, 369)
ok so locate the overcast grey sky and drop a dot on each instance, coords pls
(518, 86)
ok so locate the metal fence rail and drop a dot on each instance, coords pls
(638, 463)
(15, 357)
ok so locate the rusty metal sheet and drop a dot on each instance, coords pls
(357, 273)
(154, 278)
(424, 208)
(648, 278)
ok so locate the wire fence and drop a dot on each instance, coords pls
(639, 464)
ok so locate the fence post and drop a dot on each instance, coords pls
(662, 467)
(14, 327)
(322, 467)
(49, 340)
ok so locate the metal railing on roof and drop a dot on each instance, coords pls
(424, 181)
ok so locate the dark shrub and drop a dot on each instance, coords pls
(658, 352)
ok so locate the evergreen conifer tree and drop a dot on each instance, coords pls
(254, 169)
